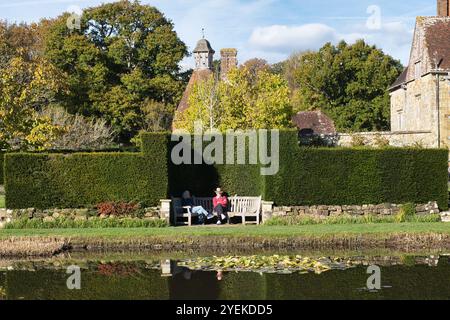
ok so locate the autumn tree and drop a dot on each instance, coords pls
(255, 66)
(349, 83)
(242, 102)
(124, 55)
(25, 87)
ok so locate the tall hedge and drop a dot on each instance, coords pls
(2, 164)
(307, 176)
(340, 176)
(202, 179)
(84, 179)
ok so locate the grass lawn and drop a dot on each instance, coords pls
(381, 229)
(2, 201)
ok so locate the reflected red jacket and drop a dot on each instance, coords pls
(223, 201)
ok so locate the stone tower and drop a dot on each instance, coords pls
(203, 55)
(228, 61)
(443, 8)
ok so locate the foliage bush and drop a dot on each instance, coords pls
(119, 209)
(68, 223)
(358, 141)
(346, 176)
(406, 213)
(79, 133)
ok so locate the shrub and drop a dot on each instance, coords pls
(119, 209)
(358, 141)
(79, 133)
(406, 213)
(92, 223)
(380, 141)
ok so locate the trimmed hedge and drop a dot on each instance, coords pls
(2, 164)
(84, 179)
(343, 176)
(307, 176)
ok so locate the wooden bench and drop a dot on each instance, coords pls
(243, 207)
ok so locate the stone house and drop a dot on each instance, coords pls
(420, 97)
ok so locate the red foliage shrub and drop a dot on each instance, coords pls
(119, 209)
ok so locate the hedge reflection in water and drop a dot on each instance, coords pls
(231, 277)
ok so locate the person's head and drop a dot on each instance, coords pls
(219, 275)
(218, 192)
(186, 194)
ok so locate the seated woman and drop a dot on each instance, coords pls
(187, 201)
(220, 204)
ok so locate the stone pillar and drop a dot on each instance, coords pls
(267, 210)
(443, 8)
(165, 210)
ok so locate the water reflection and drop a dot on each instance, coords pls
(230, 277)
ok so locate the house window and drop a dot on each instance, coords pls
(418, 101)
(418, 70)
(400, 121)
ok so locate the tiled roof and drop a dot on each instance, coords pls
(315, 120)
(437, 39)
(436, 46)
(400, 80)
(197, 75)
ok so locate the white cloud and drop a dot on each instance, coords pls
(281, 38)
(393, 37)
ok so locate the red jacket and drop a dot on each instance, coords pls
(223, 201)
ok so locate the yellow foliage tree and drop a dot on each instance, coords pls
(239, 103)
(25, 87)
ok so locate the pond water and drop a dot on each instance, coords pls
(238, 277)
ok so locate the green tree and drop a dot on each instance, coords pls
(124, 54)
(348, 82)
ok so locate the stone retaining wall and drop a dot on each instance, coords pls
(385, 209)
(7, 215)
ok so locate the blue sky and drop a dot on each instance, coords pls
(269, 29)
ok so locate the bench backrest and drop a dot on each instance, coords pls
(206, 203)
(245, 205)
(250, 205)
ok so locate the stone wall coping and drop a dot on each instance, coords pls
(383, 133)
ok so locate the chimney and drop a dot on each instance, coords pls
(228, 61)
(443, 9)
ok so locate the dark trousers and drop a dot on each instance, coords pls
(219, 211)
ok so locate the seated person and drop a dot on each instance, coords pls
(187, 201)
(220, 204)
